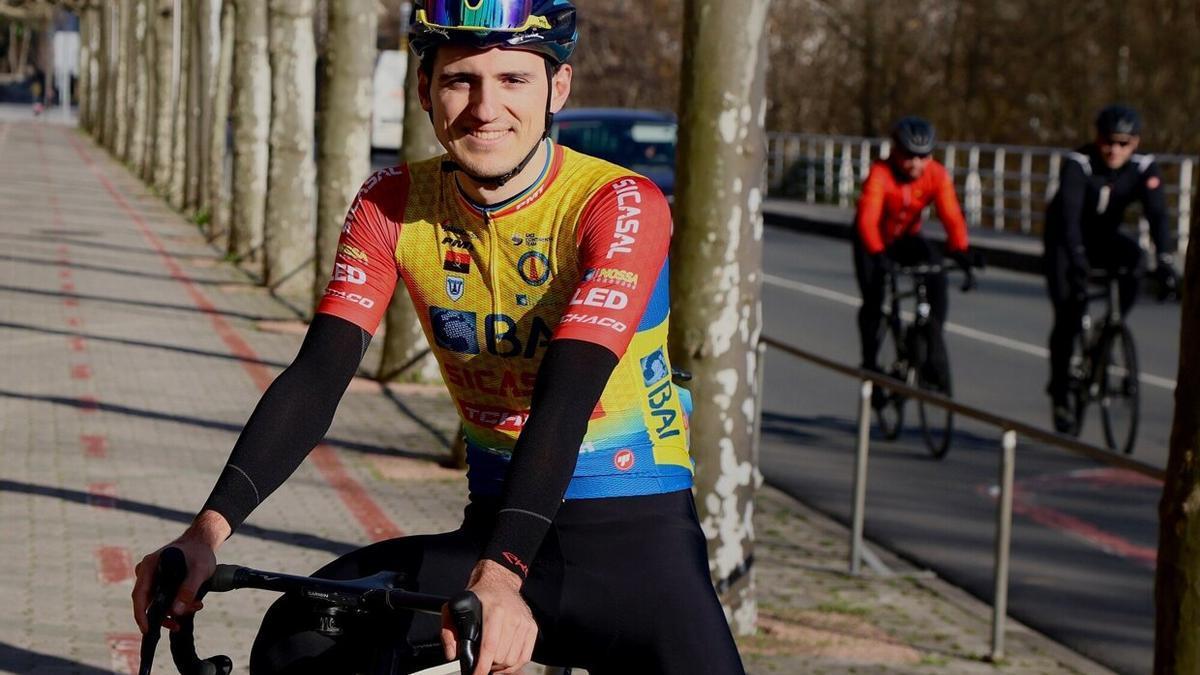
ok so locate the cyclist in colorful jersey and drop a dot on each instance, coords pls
(888, 222)
(1096, 185)
(540, 276)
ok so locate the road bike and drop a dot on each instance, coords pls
(1104, 368)
(336, 605)
(907, 345)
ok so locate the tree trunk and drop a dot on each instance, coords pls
(208, 51)
(179, 148)
(716, 284)
(120, 146)
(108, 76)
(218, 154)
(344, 155)
(149, 52)
(165, 90)
(406, 354)
(87, 33)
(1177, 581)
(193, 39)
(288, 241)
(251, 125)
(139, 86)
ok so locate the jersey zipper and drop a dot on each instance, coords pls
(493, 244)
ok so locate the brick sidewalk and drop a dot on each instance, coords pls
(133, 355)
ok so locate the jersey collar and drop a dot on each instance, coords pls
(554, 160)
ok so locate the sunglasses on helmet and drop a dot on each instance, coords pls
(502, 16)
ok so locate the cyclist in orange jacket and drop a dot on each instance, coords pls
(888, 221)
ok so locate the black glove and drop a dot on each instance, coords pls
(1077, 279)
(1167, 278)
(967, 261)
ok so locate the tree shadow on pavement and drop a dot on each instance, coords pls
(14, 659)
(299, 539)
(112, 408)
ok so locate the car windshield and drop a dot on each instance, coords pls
(640, 145)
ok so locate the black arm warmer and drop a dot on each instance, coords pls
(1154, 208)
(570, 380)
(291, 418)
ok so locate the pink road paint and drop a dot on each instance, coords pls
(94, 446)
(81, 371)
(113, 564)
(126, 652)
(102, 495)
(361, 506)
(77, 344)
(88, 404)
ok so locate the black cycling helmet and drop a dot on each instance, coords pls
(543, 26)
(914, 135)
(1118, 119)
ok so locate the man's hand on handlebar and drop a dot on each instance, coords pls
(509, 631)
(198, 544)
(967, 260)
(1166, 278)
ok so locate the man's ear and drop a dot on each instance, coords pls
(423, 90)
(561, 84)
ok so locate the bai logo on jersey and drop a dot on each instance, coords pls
(455, 287)
(454, 330)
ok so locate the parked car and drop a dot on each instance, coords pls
(639, 140)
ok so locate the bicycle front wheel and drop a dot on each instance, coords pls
(937, 423)
(889, 405)
(1120, 395)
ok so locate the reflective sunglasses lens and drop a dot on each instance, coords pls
(480, 14)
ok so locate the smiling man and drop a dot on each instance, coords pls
(540, 276)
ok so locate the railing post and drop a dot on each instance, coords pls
(1026, 191)
(1003, 540)
(827, 193)
(810, 172)
(845, 176)
(1185, 206)
(949, 163)
(974, 189)
(998, 189)
(860, 476)
(864, 160)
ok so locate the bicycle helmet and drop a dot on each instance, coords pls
(543, 26)
(1118, 119)
(914, 135)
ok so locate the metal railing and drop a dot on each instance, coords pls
(1008, 445)
(1003, 187)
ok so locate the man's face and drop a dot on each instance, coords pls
(489, 107)
(907, 164)
(1116, 149)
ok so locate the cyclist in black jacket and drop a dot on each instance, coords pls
(1096, 185)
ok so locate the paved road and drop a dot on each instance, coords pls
(1084, 536)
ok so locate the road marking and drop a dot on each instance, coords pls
(1025, 503)
(114, 564)
(94, 445)
(951, 327)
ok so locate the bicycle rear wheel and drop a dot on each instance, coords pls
(890, 411)
(937, 423)
(1120, 395)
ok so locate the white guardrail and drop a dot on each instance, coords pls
(1002, 187)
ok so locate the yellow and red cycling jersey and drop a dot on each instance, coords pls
(581, 254)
